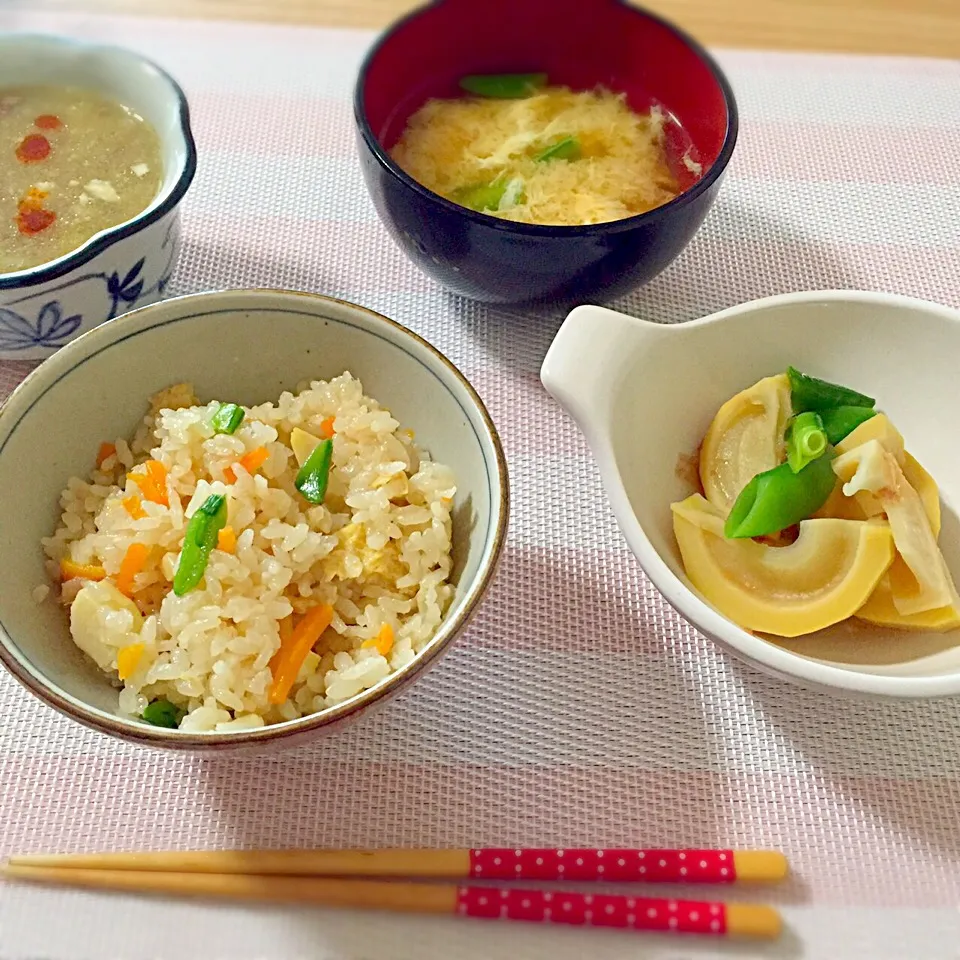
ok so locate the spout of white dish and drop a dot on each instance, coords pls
(592, 352)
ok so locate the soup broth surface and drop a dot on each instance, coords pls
(72, 163)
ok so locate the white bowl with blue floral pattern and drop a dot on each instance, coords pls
(125, 266)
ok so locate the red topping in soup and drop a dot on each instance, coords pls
(32, 220)
(31, 216)
(33, 147)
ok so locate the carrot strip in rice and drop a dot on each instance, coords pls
(133, 506)
(251, 462)
(383, 642)
(227, 540)
(106, 451)
(293, 651)
(69, 570)
(153, 483)
(128, 659)
(133, 563)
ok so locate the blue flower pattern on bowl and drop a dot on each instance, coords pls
(127, 290)
(47, 327)
(51, 328)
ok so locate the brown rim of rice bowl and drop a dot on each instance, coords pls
(290, 731)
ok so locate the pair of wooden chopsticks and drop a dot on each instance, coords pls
(317, 877)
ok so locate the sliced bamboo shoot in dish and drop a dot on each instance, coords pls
(745, 438)
(864, 505)
(926, 487)
(841, 507)
(824, 577)
(870, 467)
(881, 609)
(876, 428)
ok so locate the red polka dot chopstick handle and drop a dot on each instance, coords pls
(620, 912)
(629, 866)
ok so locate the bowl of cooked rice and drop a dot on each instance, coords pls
(240, 517)
(520, 151)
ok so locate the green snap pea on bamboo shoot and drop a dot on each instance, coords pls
(840, 421)
(805, 439)
(809, 393)
(227, 418)
(503, 86)
(314, 475)
(199, 539)
(824, 413)
(779, 498)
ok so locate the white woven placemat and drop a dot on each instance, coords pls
(579, 708)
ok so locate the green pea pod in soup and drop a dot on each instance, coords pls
(482, 197)
(503, 86)
(566, 149)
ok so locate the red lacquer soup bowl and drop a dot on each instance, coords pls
(580, 43)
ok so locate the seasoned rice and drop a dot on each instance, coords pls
(378, 550)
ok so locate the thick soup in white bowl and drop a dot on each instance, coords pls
(75, 163)
(95, 155)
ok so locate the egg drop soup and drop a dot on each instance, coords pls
(552, 156)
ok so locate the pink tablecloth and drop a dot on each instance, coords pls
(579, 708)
